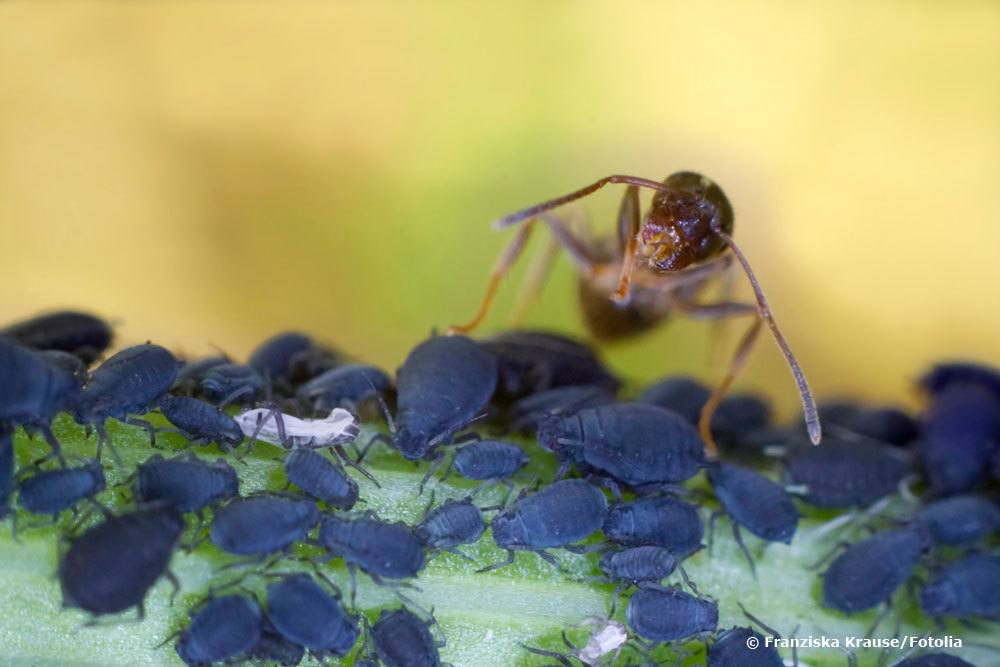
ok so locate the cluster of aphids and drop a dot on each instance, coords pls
(620, 470)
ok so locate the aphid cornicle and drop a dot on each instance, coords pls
(660, 262)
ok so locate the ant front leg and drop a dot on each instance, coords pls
(628, 241)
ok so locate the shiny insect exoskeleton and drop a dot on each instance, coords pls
(658, 263)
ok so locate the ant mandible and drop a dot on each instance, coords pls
(685, 239)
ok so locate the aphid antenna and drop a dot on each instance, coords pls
(761, 624)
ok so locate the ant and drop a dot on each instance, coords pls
(659, 263)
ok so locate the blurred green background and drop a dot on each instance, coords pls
(210, 173)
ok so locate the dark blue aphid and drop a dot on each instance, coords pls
(960, 520)
(527, 413)
(535, 361)
(186, 482)
(453, 523)
(81, 334)
(743, 647)
(110, 567)
(274, 357)
(966, 589)
(380, 549)
(638, 565)
(262, 524)
(190, 374)
(321, 478)
(6, 469)
(684, 395)
(737, 416)
(231, 383)
(754, 502)
(444, 384)
(671, 614)
(52, 491)
(559, 515)
(200, 421)
(890, 425)
(402, 639)
(942, 376)
(633, 443)
(961, 435)
(934, 660)
(32, 391)
(129, 382)
(845, 474)
(305, 614)
(223, 630)
(489, 460)
(664, 522)
(273, 648)
(346, 386)
(867, 573)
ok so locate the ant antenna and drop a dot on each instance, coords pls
(809, 410)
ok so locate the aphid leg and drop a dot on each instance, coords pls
(53, 443)
(852, 660)
(143, 424)
(736, 365)
(743, 548)
(878, 619)
(830, 554)
(378, 437)
(550, 559)
(503, 265)
(563, 660)
(628, 241)
(497, 566)
(615, 594)
(351, 463)
(687, 580)
(354, 584)
(711, 529)
(810, 412)
(587, 548)
(431, 469)
(175, 584)
(102, 439)
(239, 392)
(760, 623)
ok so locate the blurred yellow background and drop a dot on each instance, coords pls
(210, 173)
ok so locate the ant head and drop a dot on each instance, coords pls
(680, 227)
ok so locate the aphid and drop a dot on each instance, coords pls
(307, 615)
(638, 565)
(845, 474)
(633, 443)
(960, 520)
(100, 574)
(345, 386)
(403, 639)
(186, 482)
(263, 524)
(737, 416)
(322, 479)
(52, 491)
(452, 523)
(659, 262)
(223, 630)
(664, 522)
(6, 469)
(190, 374)
(230, 383)
(933, 660)
(941, 376)
(754, 502)
(559, 515)
(606, 637)
(684, 395)
(32, 391)
(743, 647)
(528, 412)
(199, 421)
(265, 424)
(81, 334)
(965, 589)
(489, 460)
(273, 648)
(887, 424)
(442, 387)
(867, 573)
(669, 614)
(961, 435)
(273, 358)
(380, 549)
(531, 362)
(129, 382)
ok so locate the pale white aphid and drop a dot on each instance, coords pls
(338, 427)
